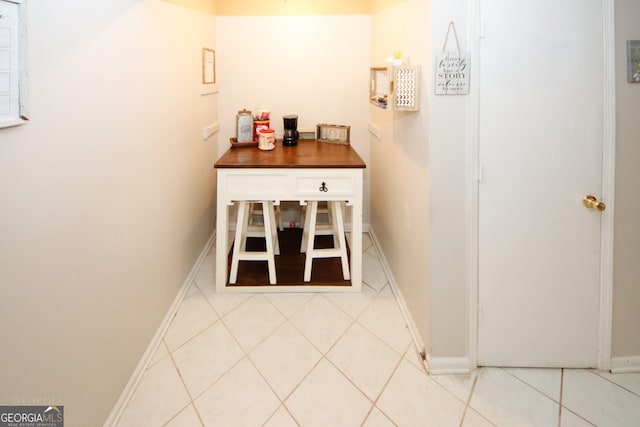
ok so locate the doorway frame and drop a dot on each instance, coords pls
(608, 186)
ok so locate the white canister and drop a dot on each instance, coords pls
(267, 139)
(244, 126)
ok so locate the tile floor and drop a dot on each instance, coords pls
(281, 360)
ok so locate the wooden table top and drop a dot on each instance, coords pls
(308, 153)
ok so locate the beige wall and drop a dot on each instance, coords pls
(208, 6)
(292, 7)
(107, 196)
(626, 295)
(400, 183)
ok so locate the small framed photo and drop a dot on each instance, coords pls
(334, 134)
(633, 61)
(208, 66)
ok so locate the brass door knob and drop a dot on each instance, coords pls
(592, 203)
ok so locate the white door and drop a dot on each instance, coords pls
(540, 152)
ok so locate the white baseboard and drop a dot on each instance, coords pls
(622, 365)
(413, 328)
(137, 374)
(447, 365)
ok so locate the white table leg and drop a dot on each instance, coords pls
(222, 226)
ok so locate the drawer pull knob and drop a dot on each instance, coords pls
(323, 187)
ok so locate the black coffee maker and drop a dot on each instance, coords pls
(291, 134)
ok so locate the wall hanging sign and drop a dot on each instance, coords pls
(452, 68)
(633, 61)
(209, 81)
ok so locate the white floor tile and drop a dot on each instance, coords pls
(598, 400)
(629, 381)
(367, 355)
(240, 398)
(187, 418)
(281, 418)
(321, 322)
(372, 272)
(384, 319)
(505, 400)
(289, 304)
(473, 419)
(159, 396)
(569, 419)
(205, 277)
(285, 358)
(546, 381)
(223, 304)
(194, 315)
(377, 419)
(327, 398)
(206, 357)
(353, 303)
(372, 251)
(413, 399)
(352, 354)
(366, 241)
(459, 385)
(253, 321)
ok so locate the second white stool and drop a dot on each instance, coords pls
(246, 228)
(337, 230)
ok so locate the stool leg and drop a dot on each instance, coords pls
(268, 236)
(240, 227)
(305, 228)
(278, 216)
(336, 209)
(274, 227)
(310, 220)
(248, 208)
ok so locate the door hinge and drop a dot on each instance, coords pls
(480, 172)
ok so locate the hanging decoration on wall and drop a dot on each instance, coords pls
(633, 61)
(452, 68)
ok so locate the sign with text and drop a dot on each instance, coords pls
(452, 73)
(31, 416)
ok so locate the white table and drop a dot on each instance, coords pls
(309, 171)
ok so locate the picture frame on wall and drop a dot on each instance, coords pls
(633, 61)
(209, 81)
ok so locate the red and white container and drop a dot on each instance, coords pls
(267, 139)
(258, 125)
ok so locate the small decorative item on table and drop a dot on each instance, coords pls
(267, 139)
(334, 134)
(235, 144)
(260, 121)
(244, 126)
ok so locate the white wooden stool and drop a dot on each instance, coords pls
(245, 227)
(325, 228)
(337, 230)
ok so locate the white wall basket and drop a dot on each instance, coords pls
(396, 88)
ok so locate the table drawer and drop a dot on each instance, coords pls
(254, 184)
(328, 184)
